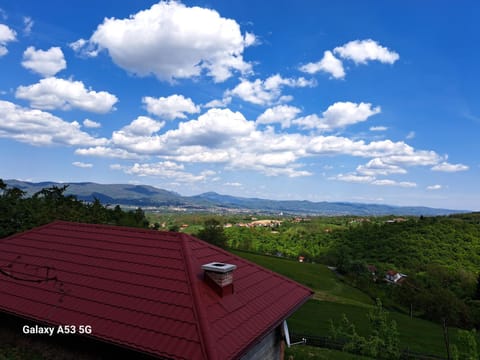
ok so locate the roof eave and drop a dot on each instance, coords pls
(274, 325)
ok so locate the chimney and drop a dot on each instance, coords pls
(219, 276)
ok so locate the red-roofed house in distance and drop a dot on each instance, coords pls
(163, 294)
(394, 277)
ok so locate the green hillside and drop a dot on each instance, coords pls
(445, 240)
(333, 298)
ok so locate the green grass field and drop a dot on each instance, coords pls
(333, 298)
(303, 352)
(415, 334)
(316, 276)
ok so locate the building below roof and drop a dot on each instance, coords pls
(146, 291)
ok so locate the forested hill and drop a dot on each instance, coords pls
(439, 255)
(143, 196)
(452, 241)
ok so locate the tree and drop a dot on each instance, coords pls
(383, 341)
(346, 332)
(213, 233)
(466, 347)
(19, 213)
(13, 210)
(174, 227)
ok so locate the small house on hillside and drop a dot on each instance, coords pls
(395, 277)
(164, 294)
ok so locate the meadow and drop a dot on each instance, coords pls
(333, 298)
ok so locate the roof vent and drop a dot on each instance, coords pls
(219, 276)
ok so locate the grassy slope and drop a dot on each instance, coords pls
(334, 298)
(315, 276)
(314, 353)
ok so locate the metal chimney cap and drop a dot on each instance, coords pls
(219, 267)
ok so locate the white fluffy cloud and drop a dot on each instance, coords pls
(46, 63)
(329, 64)
(166, 170)
(234, 184)
(79, 46)
(361, 51)
(389, 182)
(6, 35)
(218, 136)
(107, 152)
(214, 129)
(447, 167)
(378, 128)
(172, 41)
(268, 91)
(434, 187)
(372, 180)
(53, 93)
(347, 113)
(82, 164)
(338, 115)
(354, 178)
(91, 124)
(171, 107)
(142, 126)
(393, 153)
(221, 136)
(388, 158)
(413, 157)
(217, 103)
(282, 114)
(37, 127)
(377, 166)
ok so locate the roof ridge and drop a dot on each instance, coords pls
(123, 228)
(204, 334)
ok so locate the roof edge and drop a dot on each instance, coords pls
(36, 228)
(206, 340)
(273, 326)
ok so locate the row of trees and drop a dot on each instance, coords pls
(19, 212)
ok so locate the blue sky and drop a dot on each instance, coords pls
(368, 101)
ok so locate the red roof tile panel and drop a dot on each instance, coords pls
(141, 288)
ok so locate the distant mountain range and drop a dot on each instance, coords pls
(151, 197)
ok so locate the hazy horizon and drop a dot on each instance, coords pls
(186, 194)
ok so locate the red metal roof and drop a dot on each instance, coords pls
(142, 289)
